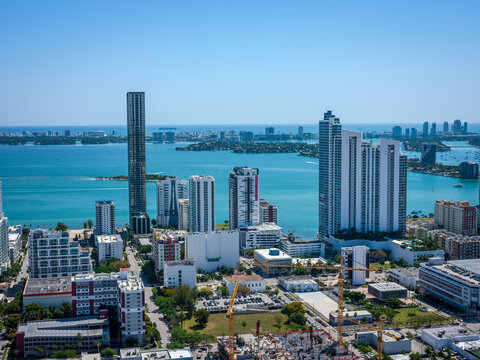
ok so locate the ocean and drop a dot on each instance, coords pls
(43, 185)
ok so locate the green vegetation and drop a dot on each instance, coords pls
(65, 354)
(177, 305)
(354, 297)
(413, 316)
(180, 337)
(296, 314)
(144, 249)
(112, 265)
(244, 324)
(103, 140)
(148, 270)
(150, 177)
(416, 145)
(11, 272)
(108, 352)
(152, 335)
(201, 318)
(61, 227)
(434, 169)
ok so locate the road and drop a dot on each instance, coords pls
(153, 312)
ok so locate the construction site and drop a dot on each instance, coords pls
(305, 345)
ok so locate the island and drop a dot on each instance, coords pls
(150, 177)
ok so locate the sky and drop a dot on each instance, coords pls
(238, 62)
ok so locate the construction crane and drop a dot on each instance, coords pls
(231, 323)
(379, 331)
(340, 284)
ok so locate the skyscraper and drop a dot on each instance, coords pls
(425, 128)
(329, 174)
(201, 197)
(105, 217)
(397, 132)
(407, 133)
(139, 221)
(457, 127)
(300, 132)
(243, 197)
(4, 258)
(373, 185)
(433, 131)
(413, 133)
(445, 127)
(428, 153)
(169, 192)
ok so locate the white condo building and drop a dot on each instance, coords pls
(213, 250)
(182, 272)
(243, 191)
(267, 235)
(105, 217)
(356, 257)
(4, 254)
(169, 192)
(14, 243)
(109, 247)
(362, 186)
(53, 254)
(183, 205)
(201, 203)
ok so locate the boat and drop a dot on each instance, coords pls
(458, 185)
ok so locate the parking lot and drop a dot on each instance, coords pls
(242, 302)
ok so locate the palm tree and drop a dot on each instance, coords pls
(244, 325)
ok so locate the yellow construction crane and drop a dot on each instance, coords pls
(231, 323)
(340, 284)
(379, 331)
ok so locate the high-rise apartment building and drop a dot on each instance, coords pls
(429, 153)
(407, 133)
(109, 247)
(465, 128)
(459, 217)
(269, 130)
(425, 128)
(105, 216)
(183, 209)
(169, 192)
(397, 132)
(53, 254)
(268, 212)
(356, 257)
(136, 162)
(445, 127)
(414, 133)
(300, 132)
(433, 129)
(373, 185)
(201, 198)
(4, 244)
(457, 127)
(330, 167)
(243, 197)
(166, 247)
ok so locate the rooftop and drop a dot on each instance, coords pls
(48, 286)
(467, 270)
(108, 238)
(243, 278)
(64, 327)
(387, 286)
(273, 254)
(304, 279)
(188, 262)
(261, 227)
(411, 271)
(449, 332)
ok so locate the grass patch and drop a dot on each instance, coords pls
(413, 316)
(376, 266)
(218, 324)
(222, 227)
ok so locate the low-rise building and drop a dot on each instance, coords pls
(47, 292)
(268, 212)
(40, 338)
(301, 247)
(360, 315)
(265, 235)
(390, 345)
(183, 272)
(93, 292)
(407, 277)
(267, 261)
(387, 290)
(109, 247)
(444, 337)
(457, 246)
(213, 250)
(166, 247)
(54, 254)
(455, 282)
(14, 242)
(413, 254)
(298, 283)
(156, 354)
(255, 283)
(467, 349)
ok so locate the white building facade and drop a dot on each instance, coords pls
(53, 254)
(213, 250)
(255, 283)
(4, 252)
(243, 190)
(109, 247)
(264, 235)
(356, 257)
(105, 217)
(14, 242)
(201, 203)
(183, 205)
(169, 192)
(183, 272)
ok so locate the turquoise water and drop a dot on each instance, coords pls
(47, 184)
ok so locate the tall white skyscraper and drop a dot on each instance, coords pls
(371, 183)
(169, 192)
(201, 203)
(105, 217)
(4, 263)
(329, 174)
(243, 191)
(356, 257)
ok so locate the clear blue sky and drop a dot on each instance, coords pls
(212, 62)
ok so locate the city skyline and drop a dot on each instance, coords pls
(239, 62)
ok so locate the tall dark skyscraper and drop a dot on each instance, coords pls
(139, 221)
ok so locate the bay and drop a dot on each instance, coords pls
(43, 185)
